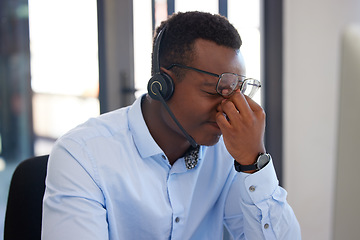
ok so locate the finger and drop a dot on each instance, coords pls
(229, 108)
(241, 104)
(222, 122)
(253, 105)
(256, 108)
(222, 119)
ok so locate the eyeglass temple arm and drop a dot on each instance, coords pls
(191, 68)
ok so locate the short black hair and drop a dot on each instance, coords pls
(182, 29)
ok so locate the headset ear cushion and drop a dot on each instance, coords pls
(165, 85)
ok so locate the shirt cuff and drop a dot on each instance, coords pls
(259, 186)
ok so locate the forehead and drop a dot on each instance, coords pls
(217, 59)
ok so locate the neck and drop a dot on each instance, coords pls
(163, 129)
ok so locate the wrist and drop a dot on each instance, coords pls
(260, 162)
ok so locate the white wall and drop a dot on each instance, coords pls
(347, 191)
(312, 38)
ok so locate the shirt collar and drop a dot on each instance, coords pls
(145, 143)
(143, 140)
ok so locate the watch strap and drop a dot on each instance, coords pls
(259, 164)
(244, 168)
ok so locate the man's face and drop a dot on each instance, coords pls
(195, 100)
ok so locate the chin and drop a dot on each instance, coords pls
(210, 141)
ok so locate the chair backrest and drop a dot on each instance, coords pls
(24, 207)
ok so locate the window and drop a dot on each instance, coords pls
(64, 66)
(245, 16)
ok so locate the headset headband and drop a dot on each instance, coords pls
(156, 53)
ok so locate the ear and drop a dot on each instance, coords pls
(168, 72)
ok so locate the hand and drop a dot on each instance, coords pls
(243, 127)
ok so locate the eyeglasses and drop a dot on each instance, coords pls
(228, 83)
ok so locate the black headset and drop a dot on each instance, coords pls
(161, 86)
(160, 80)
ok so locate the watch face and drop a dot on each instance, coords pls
(263, 160)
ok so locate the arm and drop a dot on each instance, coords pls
(73, 205)
(256, 206)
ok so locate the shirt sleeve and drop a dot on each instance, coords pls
(73, 205)
(256, 207)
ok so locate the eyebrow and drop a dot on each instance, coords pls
(209, 84)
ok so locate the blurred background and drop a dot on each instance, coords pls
(62, 62)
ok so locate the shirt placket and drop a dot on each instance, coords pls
(177, 200)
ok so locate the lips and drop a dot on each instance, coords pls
(214, 124)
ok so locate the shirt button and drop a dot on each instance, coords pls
(266, 226)
(252, 188)
(177, 219)
(163, 156)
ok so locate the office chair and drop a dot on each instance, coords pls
(24, 206)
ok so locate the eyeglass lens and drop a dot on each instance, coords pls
(250, 87)
(228, 83)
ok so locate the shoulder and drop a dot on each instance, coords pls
(104, 126)
(91, 143)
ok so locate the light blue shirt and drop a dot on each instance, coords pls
(108, 179)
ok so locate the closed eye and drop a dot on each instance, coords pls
(210, 93)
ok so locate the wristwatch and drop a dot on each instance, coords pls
(262, 160)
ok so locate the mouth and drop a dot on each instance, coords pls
(214, 125)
